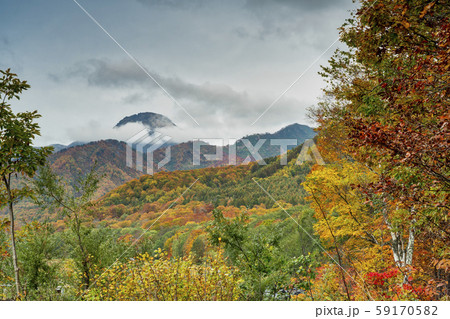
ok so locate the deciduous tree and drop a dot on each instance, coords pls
(18, 156)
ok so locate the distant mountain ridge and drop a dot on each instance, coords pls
(110, 156)
(296, 131)
(182, 154)
(151, 120)
(76, 161)
(60, 147)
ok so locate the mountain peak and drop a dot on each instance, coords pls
(294, 129)
(151, 120)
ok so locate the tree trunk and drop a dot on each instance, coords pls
(402, 256)
(13, 238)
(397, 251)
(410, 247)
(86, 275)
(84, 254)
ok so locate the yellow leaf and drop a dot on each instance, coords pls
(425, 10)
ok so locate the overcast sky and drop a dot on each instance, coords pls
(223, 62)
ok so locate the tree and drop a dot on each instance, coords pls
(77, 208)
(347, 225)
(265, 268)
(17, 154)
(387, 104)
(36, 244)
(162, 278)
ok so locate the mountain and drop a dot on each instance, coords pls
(60, 147)
(217, 184)
(76, 161)
(151, 120)
(181, 155)
(110, 156)
(177, 205)
(295, 131)
(302, 132)
(299, 131)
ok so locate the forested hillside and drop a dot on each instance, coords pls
(107, 155)
(361, 213)
(109, 159)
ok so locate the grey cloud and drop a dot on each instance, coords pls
(241, 32)
(290, 18)
(107, 74)
(103, 73)
(134, 98)
(204, 101)
(255, 48)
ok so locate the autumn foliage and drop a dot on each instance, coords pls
(159, 278)
(386, 115)
(370, 224)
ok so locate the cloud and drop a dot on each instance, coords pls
(224, 61)
(96, 130)
(296, 20)
(104, 73)
(221, 110)
(211, 104)
(134, 98)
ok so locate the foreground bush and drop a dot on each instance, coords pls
(162, 278)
